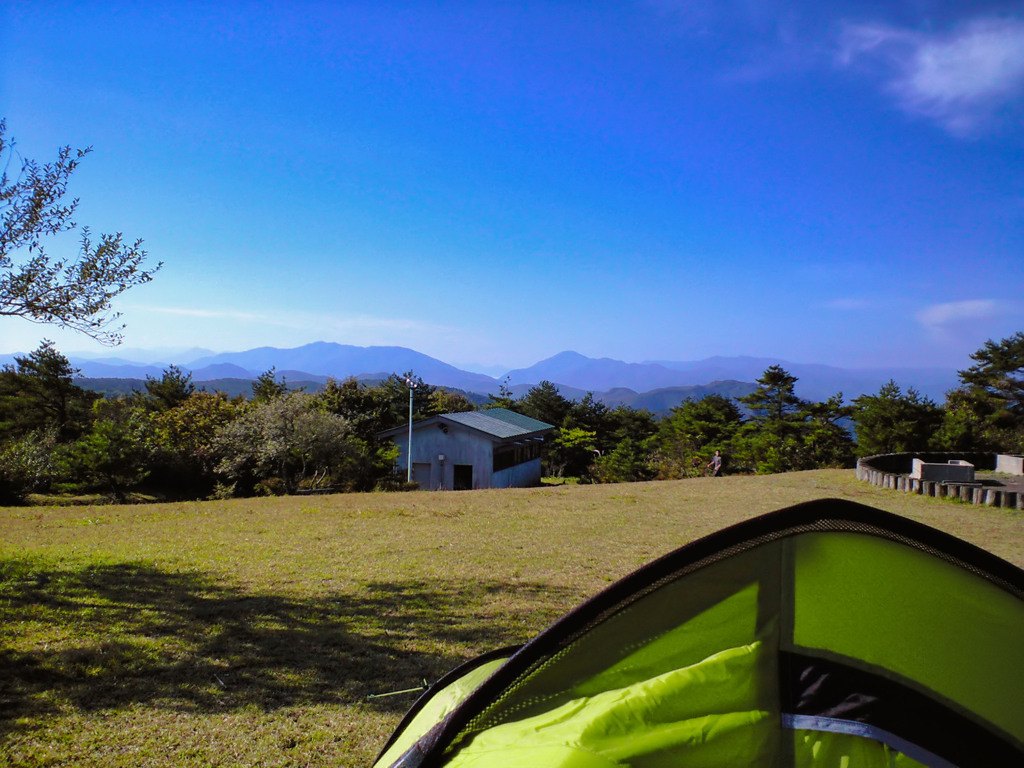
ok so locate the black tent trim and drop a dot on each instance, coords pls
(824, 515)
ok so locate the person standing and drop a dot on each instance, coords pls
(715, 465)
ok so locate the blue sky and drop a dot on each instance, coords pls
(493, 183)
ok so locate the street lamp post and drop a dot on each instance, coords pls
(408, 475)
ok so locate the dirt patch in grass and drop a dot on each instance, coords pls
(252, 632)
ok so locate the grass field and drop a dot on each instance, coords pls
(252, 632)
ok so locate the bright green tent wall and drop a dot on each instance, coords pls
(825, 635)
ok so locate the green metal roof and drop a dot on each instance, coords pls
(499, 422)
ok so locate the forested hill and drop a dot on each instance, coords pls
(658, 401)
(171, 439)
(575, 374)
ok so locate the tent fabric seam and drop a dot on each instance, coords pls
(861, 668)
(854, 728)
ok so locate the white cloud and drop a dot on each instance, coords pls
(291, 319)
(938, 317)
(204, 313)
(960, 80)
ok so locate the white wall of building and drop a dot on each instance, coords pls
(520, 476)
(457, 446)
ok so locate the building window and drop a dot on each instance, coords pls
(513, 455)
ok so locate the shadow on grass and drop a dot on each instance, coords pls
(113, 636)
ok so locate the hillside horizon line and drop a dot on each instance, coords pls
(571, 371)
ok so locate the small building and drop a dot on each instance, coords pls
(493, 448)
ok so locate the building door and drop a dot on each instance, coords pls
(463, 477)
(421, 475)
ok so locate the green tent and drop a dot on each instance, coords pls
(826, 634)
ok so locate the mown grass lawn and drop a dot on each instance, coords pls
(252, 632)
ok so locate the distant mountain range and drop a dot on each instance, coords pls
(312, 362)
(815, 382)
(656, 385)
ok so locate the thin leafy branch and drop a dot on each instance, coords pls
(75, 292)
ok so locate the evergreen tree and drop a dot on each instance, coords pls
(570, 453)
(626, 463)
(893, 422)
(114, 454)
(367, 409)
(772, 440)
(590, 414)
(172, 389)
(395, 391)
(267, 387)
(827, 441)
(39, 393)
(987, 411)
(999, 372)
(774, 401)
(693, 431)
(974, 421)
(545, 403)
(503, 399)
(623, 431)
